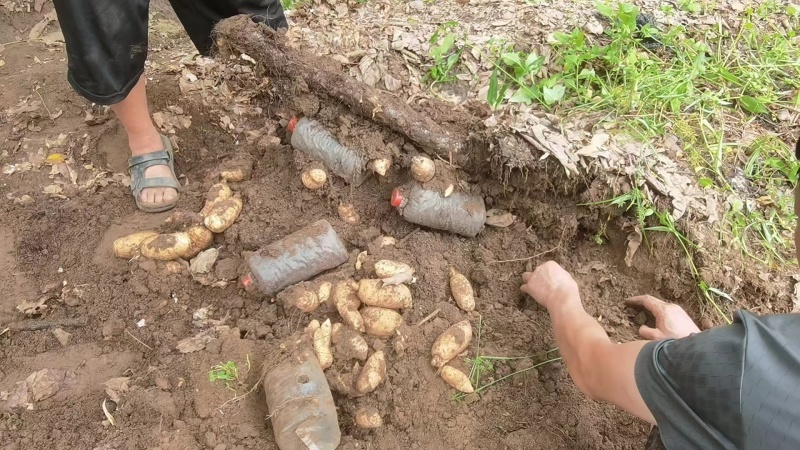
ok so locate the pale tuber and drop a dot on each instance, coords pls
(381, 166)
(216, 194)
(368, 417)
(457, 379)
(223, 214)
(381, 322)
(324, 292)
(166, 247)
(422, 168)
(322, 344)
(374, 293)
(373, 373)
(347, 303)
(449, 344)
(347, 212)
(462, 291)
(314, 179)
(129, 246)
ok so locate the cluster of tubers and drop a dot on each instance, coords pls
(369, 306)
(447, 346)
(372, 306)
(219, 213)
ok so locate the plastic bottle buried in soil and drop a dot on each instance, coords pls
(300, 403)
(295, 258)
(460, 213)
(311, 138)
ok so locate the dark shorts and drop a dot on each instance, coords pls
(107, 39)
(732, 387)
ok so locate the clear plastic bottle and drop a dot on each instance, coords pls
(311, 138)
(460, 213)
(295, 258)
(300, 404)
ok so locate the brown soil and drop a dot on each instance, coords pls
(60, 245)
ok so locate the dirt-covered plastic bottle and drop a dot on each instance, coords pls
(300, 403)
(459, 213)
(313, 139)
(295, 258)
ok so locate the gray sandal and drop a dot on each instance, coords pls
(138, 164)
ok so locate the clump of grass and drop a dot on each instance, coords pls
(639, 205)
(702, 86)
(228, 372)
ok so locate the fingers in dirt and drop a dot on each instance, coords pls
(526, 276)
(650, 334)
(645, 301)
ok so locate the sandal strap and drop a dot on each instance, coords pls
(155, 182)
(157, 158)
(137, 165)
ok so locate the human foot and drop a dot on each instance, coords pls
(153, 181)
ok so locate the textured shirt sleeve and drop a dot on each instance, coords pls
(693, 385)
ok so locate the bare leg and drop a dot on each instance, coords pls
(143, 137)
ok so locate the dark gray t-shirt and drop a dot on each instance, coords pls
(731, 387)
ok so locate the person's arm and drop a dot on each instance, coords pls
(600, 368)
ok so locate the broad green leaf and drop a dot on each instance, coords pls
(752, 105)
(554, 94)
(491, 96)
(523, 95)
(443, 48)
(561, 38)
(512, 59)
(705, 182)
(533, 63)
(604, 9)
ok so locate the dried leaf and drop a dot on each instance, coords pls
(200, 340)
(54, 190)
(36, 31)
(499, 218)
(57, 141)
(33, 308)
(115, 387)
(596, 148)
(63, 337)
(553, 146)
(634, 241)
(39, 386)
(392, 84)
(55, 158)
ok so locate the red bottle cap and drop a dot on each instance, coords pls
(397, 198)
(247, 280)
(292, 123)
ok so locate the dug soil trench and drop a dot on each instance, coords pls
(56, 246)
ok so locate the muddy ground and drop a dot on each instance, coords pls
(55, 243)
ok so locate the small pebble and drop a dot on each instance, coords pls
(211, 439)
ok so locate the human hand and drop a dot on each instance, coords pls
(549, 284)
(671, 320)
